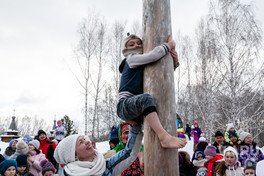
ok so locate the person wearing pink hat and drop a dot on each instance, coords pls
(196, 132)
(60, 131)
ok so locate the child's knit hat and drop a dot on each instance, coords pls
(59, 121)
(210, 150)
(11, 142)
(46, 166)
(126, 51)
(232, 134)
(6, 164)
(202, 172)
(233, 150)
(219, 133)
(21, 147)
(21, 160)
(243, 135)
(35, 143)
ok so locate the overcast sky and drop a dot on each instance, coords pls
(36, 44)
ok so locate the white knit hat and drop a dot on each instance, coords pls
(21, 147)
(243, 135)
(231, 149)
(127, 51)
(65, 151)
(35, 143)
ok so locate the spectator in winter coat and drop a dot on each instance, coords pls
(114, 140)
(199, 159)
(260, 168)
(80, 158)
(186, 167)
(220, 142)
(230, 165)
(22, 166)
(137, 166)
(230, 128)
(46, 146)
(21, 148)
(251, 170)
(35, 157)
(11, 149)
(234, 140)
(8, 167)
(248, 153)
(213, 159)
(200, 147)
(196, 132)
(60, 131)
(188, 131)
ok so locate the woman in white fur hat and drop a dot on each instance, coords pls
(35, 156)
(230, 166)
(248, 153)
(81, 159)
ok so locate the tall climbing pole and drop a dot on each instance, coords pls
(159, 82)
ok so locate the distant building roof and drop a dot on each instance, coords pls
(13, 124)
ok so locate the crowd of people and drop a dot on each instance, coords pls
(232, 153)
(31, 156)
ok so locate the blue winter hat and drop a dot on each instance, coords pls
(21, 160)
(114, 133)
(198, 154)
(6, 164)
(11, 142)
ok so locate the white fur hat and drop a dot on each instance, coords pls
(21, 147)
(243, 135)
(65, 150)
(35, 143)
(231, 149)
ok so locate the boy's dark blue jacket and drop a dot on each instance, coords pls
(131, 79)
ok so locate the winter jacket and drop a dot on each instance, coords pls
(249, 153)
(116, 162)
(196, 132)
(236, 170)
(44, 147)
(35, 168)
(212, 163)
(218, 149)
(25, 173)
(8, 152)
(60, 132)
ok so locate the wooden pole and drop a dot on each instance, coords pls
(159, 82)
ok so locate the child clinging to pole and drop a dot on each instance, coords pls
(133, 105)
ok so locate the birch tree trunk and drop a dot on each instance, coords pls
(159, 82)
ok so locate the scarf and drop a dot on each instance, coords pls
(127, 52)
(85, 168)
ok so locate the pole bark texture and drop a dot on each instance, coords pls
(159, 82)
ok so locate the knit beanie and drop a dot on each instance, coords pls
(59, 121)
(41, 132)
(202, 172)
(210, 150)
(202, 139)
(195, 123)
(46, 166)
(21, 160)
(199, 154)
(229, 126)
(6, 164)
(232, 134)
(219, 133)
(231, 149)
(243, 135)
(65, 151)
(11, 142)
(21, 147)
(127, 51)
(35, 143)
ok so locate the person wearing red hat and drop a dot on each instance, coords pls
(196, 132)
